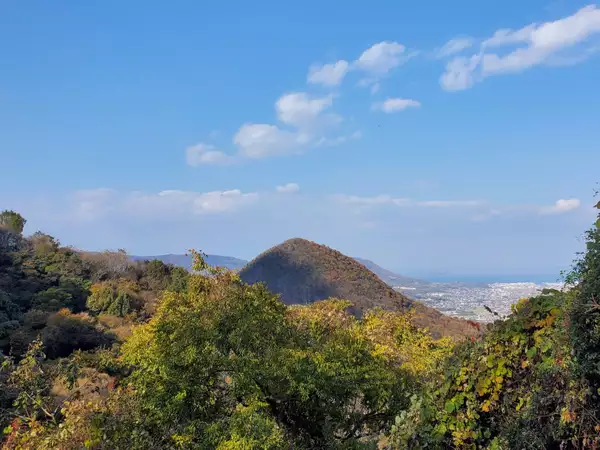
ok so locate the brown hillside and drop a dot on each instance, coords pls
(303, 272)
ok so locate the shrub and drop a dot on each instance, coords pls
(66, 332)
(117, 298)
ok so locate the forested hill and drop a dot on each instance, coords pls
(303, 272)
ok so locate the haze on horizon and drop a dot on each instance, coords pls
(417, 137)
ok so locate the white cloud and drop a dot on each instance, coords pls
(377, 61)
(548, 43)
(450, 203)
(561, 206)
(391, 105)
(328, 74)
(370, 201)
(380, 200)
(206, 154)
(96, 203)
(304, 114)
(454, 46)
(329, 142)
(381, 57)
(459, 73)
(482, 209)
(263, 140)
(289, 188)
(506, 36)
(299, 110)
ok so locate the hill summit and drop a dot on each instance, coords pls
(302, 272)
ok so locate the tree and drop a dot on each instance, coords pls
(11, 228)
(224, 346)
(12, 221)
(115, 297)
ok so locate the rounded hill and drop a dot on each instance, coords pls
(303, 272)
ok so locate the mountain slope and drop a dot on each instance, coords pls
(391, 278)
(303, 272)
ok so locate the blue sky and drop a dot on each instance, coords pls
(447, 137)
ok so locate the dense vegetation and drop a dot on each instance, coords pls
(107, 354)
(304, 272)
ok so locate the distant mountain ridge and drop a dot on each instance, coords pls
(185, 261)
(391, 278)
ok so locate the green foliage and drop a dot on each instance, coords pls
(248, 427)
(158, 276)
(585, 329)
(217, 352)
(51, 299)
(33, 384)
(12, 221)
(115, 297)
(516, 385)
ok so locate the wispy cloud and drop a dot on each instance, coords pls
(454, 46)
(379, 60)
(392, 105)
(384, 199)
(289, 188)
(537, 44)
(561, 206)
(206, 154)
(484, 210)
(97, 203)
(328, 74)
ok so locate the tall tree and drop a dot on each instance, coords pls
(12, 221)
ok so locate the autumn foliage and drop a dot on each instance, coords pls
(217, 363)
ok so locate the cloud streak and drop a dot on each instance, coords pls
(454, 46)
(392, 105)
(557, 42)
(483, 208)
(92, 204)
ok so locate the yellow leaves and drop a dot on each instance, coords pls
(546, 322)
(567, 416)
(485, 406)
(395, 338)
(524, 364)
